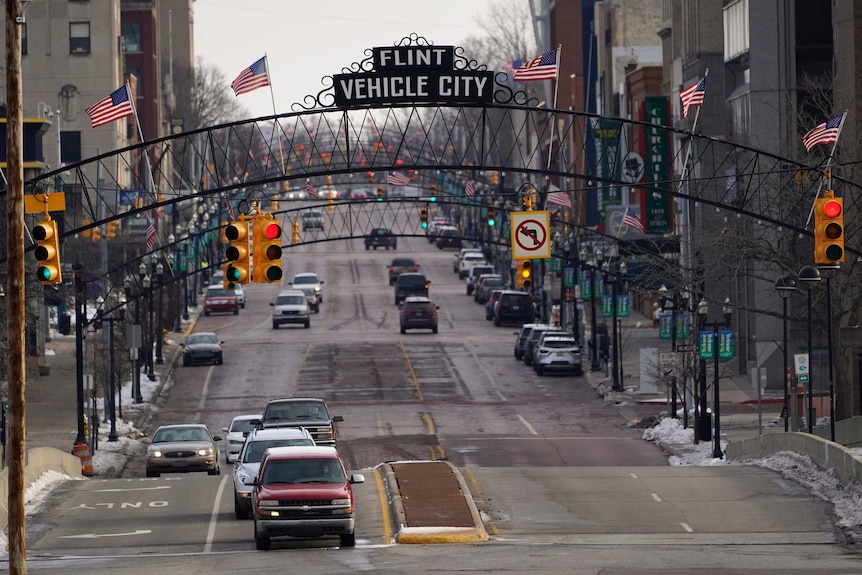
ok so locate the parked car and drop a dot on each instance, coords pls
(235, 433)
(535, 341)
(467, 263)
(303, 492)
(183, 448)
(434, 227)
(418, 313)
(381, 238)
(312, 220)
(410, 284)
(311, 413)
(475, 272)
(290, 306)
(220, 300)
(486, 287)
(400, 266)
(513, 307)
(239, 289)
(460, 255)
(202, 347)
(308, 280)
(537, 330)
(448, 237)
(521, 337)
(247, 461)
(558, 353)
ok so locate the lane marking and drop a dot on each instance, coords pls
(526, 423)
(121, 489)
(204, 392)
(214, 515)
(384, 507)
(687, 528)
(634, 476)
(490, 378)
(656, 497)
(413, 379)
(294, 383)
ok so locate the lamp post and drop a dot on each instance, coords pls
(785, 287)
(828, 271)
(160, 272)
(809, 276)
(703, 311)
(80, 296)
(148, 286)
(615, 279)
(673, 306)
(594, 352)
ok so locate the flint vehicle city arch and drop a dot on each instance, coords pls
(430, 111)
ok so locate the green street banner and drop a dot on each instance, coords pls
(706, 343)
(656, 208)
(622, 306)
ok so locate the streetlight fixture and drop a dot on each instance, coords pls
(809, 276)
(785, 287)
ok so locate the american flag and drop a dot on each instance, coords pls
(469, 189)
(252, 78)
(151, 235)
(542, 67)
(398, 179)
(112, 107)
(633, 222)
(560, 199)
(693, 95)
(512, 65)
(825, 133)
(230, 213)
(309, 189)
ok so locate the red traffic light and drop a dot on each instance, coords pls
(271, 231)
(832, 209)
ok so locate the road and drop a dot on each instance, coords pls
(556, 473)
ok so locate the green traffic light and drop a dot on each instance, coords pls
(432, 199)
(491, 222)
(233, 274)
(273, 273)
(424, 225)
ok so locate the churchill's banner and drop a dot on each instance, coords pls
(415, 73)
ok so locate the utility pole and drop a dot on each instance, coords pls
(15, 287)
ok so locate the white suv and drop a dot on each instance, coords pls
(290, 306)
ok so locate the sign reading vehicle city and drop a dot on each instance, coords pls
(414, 73)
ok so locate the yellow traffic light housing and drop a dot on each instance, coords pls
(111, 231)
(433, 193)
(493, 179)
(88, 232)
(524, 276)
(267, 250)
(423, 217)
(237, 253)
(48, 251)
(294, 235)
(330, 204)
(828, 229)
(96, 234)
(379, 192)
(491, 219)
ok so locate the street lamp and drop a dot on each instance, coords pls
(594, 352)
(615, 279)
(828, 271)
(785, 287)
(809, 276)
(148, 286)
(703, 313)
(673, 306)
(160, 271)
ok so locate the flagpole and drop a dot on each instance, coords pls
(553, 118)
(274, 113)
(829, 159)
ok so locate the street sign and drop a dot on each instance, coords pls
(530, 237)
(667, 362)
(800, 362)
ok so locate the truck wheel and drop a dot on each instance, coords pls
(348, 540)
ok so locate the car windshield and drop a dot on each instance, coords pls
(402, 263)
(219, 292)
(241, 425)
(290, 300)
(316, 470)
(312, 215)
(559, 343)
(180, 434)
(254, 450)
(291, 411)
(418, 305)
(404, 279)
(307, 291)
(199, 338)
(490, 282)
(305, 280)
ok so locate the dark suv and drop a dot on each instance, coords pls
(409, 284)
(513, 307)
(418, 313)
(381, 238)
(310, 413)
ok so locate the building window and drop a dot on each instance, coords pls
(131, 36)
(79, 37)
(70, 147)
(24, 39)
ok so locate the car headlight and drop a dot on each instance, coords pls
(317, 289)
(205, 452)
(155, 453)
(242, 476)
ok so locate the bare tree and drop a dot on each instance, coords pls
(211, 101)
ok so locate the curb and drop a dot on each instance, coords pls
(433, 535)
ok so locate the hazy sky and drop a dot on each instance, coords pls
(305, 41)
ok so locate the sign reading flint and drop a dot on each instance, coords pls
(414, 74)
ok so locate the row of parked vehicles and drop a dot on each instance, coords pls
(287, 474)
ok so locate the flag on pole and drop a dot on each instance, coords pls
(560, 199)
(398, 179)
(151, 235)
(230, 213)
(309, 189)
(112, 107)
(633, 222)
(825, 133)
(693, 95)
(252, 78)
(469, 189)
(542, 67)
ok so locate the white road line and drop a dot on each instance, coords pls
(529, 427)
(203, 399)
(656, 497)
(687, 528)
(214, 515)
(131, 489)
(634, 476)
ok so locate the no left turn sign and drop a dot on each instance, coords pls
(530, 235)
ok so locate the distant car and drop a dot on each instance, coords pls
(239, 289)
(488, 285)
(219, 300)
(475, 272)
(537, 330)
(400, 266)
(418, 313)
(183, 448)
(410, 284)
(247, 461)
(290, 306)
(312, 219)
(381, 238)
(492, 301)
(235, 433)
(448, 237)
(313, 299)
(460, 255)
(521, 337)
(434, 227)
(303, 492)
(308, 280)
(469, 260)
(297, 194)
(558, 353)
(513, 307)
(310, 413)
(202, 348)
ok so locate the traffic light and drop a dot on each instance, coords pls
(48, 251)
(294, 236)
(433, 193)
(423, 217)
(524, 278)
(493, 179)
(88, 232)
(111, 231)
(267, 250)
(237, 252)
(379, 193)
(828, 229)
(96, 234)
(370, 176)
(492, 217)
(330, 204)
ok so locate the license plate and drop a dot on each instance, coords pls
(179, 464)
(515, 308)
